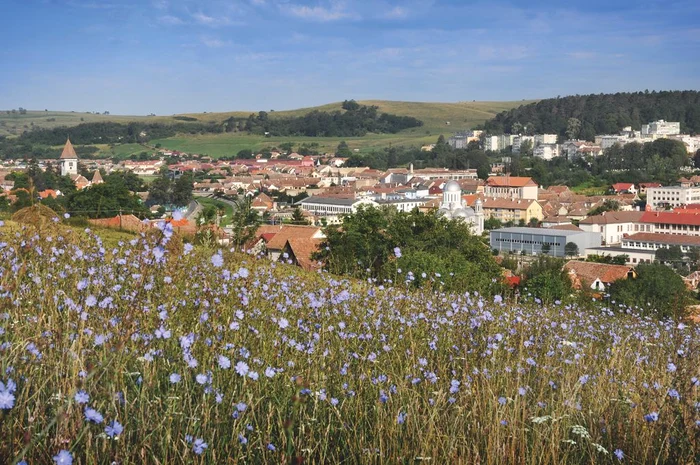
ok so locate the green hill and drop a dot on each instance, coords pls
(602, 113)
(438, 118)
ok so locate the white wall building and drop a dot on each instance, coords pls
(615, 226)
(546, 151)
(661, 128)
(672, 196)
(545, 139)
(518, 141)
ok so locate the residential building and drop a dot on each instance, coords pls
(624, 188)
(661, 128)
(518, 142)
(275, 237)
(498, 143)
(511, 187)
(659, 198)
(546, 151)
(614, 226)
(461, 139)
(455, 208)
(596, 276)
(530, 240)
(541, 139)
(515, 210)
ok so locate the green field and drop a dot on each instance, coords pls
(228, 209)
(435, 116)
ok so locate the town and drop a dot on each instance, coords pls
(297, 196)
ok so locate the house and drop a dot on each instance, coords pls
(624, 188)
(514, 210)
(511, 187)
(262, 203)
(298, 251)
(643, 186)
(614, 226)
(596, 276)
(276, 237)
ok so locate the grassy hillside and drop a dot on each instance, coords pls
(435, 116)
(142, 351)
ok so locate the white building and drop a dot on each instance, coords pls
(614, 226)
(661, 128)
(455, 208)
(518, 141)
(498, 143)
(69, 160)
(672, 196)
(546, 151)
(545, 139)
(333, 208)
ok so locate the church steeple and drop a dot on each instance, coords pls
(68, 152)
(69, 160)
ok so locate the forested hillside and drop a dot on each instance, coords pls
(601, 113)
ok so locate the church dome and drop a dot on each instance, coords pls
(444, 213)
(463, 213)
(452, 186)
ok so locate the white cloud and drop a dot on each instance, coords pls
(397, 13)
(170, 20)
(334, 12)
(211, 21)
(582, 55)
(213, 42)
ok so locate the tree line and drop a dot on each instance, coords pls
(599, 114)
(354, 121)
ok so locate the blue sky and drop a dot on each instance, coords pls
(174, 56)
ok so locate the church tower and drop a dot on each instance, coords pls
(69, 160)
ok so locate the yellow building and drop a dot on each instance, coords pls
(505, 210)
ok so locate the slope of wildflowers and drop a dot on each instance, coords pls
(160, 353)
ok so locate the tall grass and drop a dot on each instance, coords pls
(337, 371)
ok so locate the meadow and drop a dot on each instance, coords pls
(149, 350)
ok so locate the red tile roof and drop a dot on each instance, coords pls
(690, 219)
(510, 181)
(589, 271)
(668, 239)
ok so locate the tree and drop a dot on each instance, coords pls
(244, 154)
(492, 223)
(534, 222)
(105, 200)
(696, 159)
(657, 290)
(526, 148)
(573, 128)
(616, 260)
(571, 249)
(343, 150)
(298, 217)
(545, 279)
(159, 191)
(182, 190)
(546, 248)
(244, 222)
(607, 206)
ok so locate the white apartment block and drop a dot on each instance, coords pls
(661, 128)
(518, 141)
(658, 198)
(497, 143)
(546, 151)
(545, 139)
